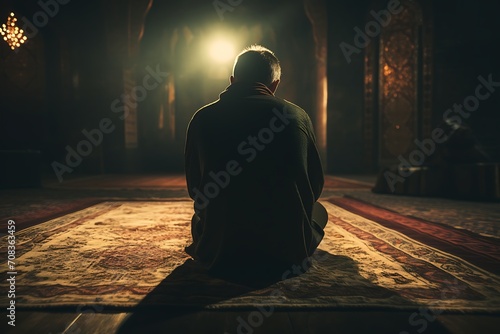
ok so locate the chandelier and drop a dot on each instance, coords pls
(12, 34)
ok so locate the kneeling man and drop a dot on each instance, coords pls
(254, 172)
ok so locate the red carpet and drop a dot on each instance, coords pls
(51, 209)
(333, 183)
(128, 182)
(481, 251)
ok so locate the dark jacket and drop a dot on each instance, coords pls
(254, 171)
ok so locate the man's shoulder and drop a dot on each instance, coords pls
(273, 102)
(285, 106)
(207, 107)
(293, 107)
(294, 112)
(291, 104)
(205, 110)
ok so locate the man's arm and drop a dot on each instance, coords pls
(191, 158)
(314, 166)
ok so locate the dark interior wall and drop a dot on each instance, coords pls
(66, 79)
(56, 85)
(79, 73)
(23, 102)
(345, 88)
(467, 45)
(284, 28)
(79, 89)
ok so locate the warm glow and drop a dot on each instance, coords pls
(387, 70)
(222, 51)
(12, 34)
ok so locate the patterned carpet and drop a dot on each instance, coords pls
(481, 218)
(480, 250)
(123, 254)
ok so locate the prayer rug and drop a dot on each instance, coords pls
(127, 254)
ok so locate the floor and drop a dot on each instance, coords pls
(296, 322)
(481, 218)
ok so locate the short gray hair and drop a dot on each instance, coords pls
(257, 64)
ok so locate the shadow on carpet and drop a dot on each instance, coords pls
(129, 255)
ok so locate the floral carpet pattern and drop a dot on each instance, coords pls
(128, 254)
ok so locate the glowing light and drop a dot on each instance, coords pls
(12, 34)
(387, 70)
(222, 51)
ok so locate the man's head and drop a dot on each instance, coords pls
(257, 64)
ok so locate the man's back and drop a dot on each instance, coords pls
(254, 171)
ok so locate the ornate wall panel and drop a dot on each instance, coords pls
(399, 83)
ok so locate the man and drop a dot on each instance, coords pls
(254, 171)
